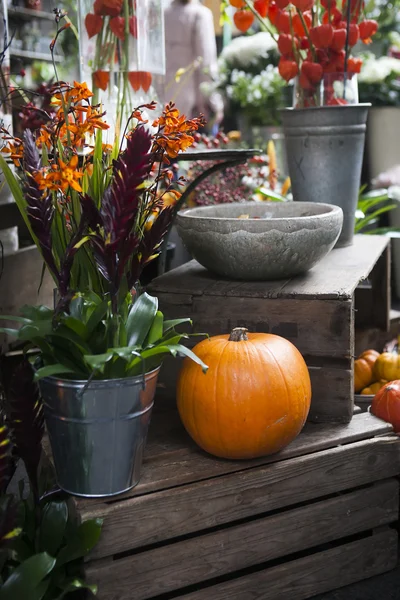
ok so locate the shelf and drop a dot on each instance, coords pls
(34, 55)
(28, 13)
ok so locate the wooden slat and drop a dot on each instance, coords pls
(311, 575)
(372, 303)
(172, 458)
(336, 276)
(201, 558)
(161, 516)
(332, 394)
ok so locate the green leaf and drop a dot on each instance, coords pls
(171, 324)
(271, 195)
(71, 585)
(37, 313)
(140, 319)
(156, 330)
(24, 581)
(8, 331)
(190, 354)
(80, 543)
(98, 361)
(50, 370)
(77, 327)
(17, 319)
(52, 526)
(96, 317)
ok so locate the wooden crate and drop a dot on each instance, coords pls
(310, 519)
(317, 311)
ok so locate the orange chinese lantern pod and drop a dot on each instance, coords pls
(386, 404)
(253, 400)
(243, 19)
(237, 3)
(261, 6)
(101, 79)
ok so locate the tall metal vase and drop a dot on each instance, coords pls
(324, 147)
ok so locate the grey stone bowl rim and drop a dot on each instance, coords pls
(332, 210)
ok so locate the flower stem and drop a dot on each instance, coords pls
(307, 34)
(260, 18)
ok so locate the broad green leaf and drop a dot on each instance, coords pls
(96, 317)
(37, 313)
(71, 585)
(52, 526)
(8, 331)
(98, 361)
(156, 330)
(76, 307)
(50, 370)
(140, 319)
(26, 578)
(83, 539)
(274, 196)
(17, 319)
(77, 326)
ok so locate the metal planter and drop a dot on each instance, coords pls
(98, 434)
(324, 148)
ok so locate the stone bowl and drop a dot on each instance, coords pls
(278, 240)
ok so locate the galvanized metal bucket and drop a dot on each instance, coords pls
(324, 148)
(98, 434)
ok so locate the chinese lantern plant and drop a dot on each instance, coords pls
(315, 39)
(253, 400)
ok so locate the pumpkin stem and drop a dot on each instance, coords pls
(239, 334)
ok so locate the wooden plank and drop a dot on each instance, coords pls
(311, 575)
(336, 276)
(201, 558)
(161, 516)
(172, 458)
(332, 395)
(372, 302)
(293, 319)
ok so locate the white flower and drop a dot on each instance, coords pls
(245, 50)
(376, 70)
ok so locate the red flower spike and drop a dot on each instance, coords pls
(281, 4)
(261, 6)
(338, 40)
(272, 12)
(303, 5)
(287, 69)
(285, 44)
(313, 72)
(243, 19)
(298, 25)
(354, 65)
(117, 26)
(101, 79)
(354, 34)
(321, 36)
(93, 24)
(367, 29)
(282, 21)
(133, 26)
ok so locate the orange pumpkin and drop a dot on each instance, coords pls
(370, 356)
(386, 404)
(362, 374)
(254, 398)
(373, 388)
(387, 366)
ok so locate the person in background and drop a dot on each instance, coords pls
(191, 60)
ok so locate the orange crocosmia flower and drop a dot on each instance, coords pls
(61, 177)
(170, 198)
(101, 79)
(80, 91)
(44, 139)
(15, 150)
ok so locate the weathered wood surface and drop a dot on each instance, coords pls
(204, 557)
(185, 509)
(314, 574)
(171, 457)
(336, 276)
(372, 302)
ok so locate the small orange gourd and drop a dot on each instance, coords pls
(373, 388)
(386, 404)
(254, 398)
(362, 374)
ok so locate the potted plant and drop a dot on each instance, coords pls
(325, 131)
(98, 215)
